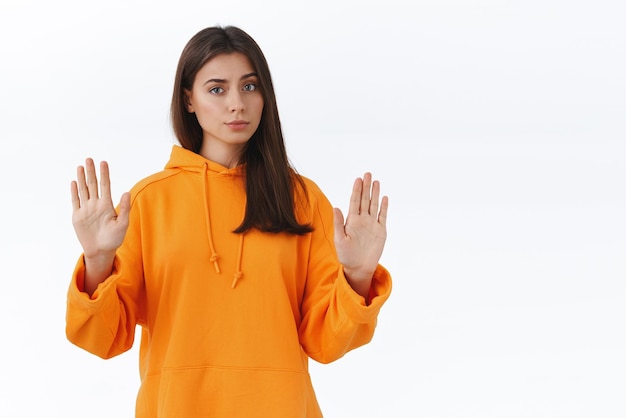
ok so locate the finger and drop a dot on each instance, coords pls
(365, 193)
(375, 196)
(382, 215)
(75, 197)
(355, 197)
(105, 181)
(92, 179)
(83, 192)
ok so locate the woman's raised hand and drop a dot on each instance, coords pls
(99, 228)
(361, 239)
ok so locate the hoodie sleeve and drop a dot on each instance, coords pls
(335, 319)
(105, 324)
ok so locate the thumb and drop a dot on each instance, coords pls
(340, 232)
(124, 208)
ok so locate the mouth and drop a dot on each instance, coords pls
(237, 124)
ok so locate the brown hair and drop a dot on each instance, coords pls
(271, 180)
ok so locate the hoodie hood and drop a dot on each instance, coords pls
(186, 160)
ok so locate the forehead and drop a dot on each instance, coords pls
(227, 66)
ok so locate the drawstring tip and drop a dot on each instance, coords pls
(214, 258)
(235, 280)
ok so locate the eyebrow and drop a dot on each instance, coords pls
(222, 80)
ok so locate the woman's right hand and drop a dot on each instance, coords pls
(99, 227)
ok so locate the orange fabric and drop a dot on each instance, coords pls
(211, 345)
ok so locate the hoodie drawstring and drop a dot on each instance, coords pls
(238, 273)
(214, 256)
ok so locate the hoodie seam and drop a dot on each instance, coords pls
(232, 368)
(155, 178)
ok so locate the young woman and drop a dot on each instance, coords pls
(237, 269)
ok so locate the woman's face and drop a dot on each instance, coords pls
(227, 101)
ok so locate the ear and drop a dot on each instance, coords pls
(188, 101)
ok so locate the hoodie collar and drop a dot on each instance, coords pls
(184, 159)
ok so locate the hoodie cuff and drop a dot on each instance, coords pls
(76, 292)
(355, 305)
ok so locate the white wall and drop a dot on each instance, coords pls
(497, 129)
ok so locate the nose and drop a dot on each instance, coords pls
(236, 103)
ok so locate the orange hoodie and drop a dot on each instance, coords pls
(228, 321)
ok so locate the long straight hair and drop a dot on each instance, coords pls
(272, 184)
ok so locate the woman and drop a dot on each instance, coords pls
(237, 269)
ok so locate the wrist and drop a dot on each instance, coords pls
(97, 269)
(360, 281)
(358, 275)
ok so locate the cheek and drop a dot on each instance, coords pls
(257, 105)
(206, 110)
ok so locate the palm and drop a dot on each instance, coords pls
(99, 228)
(360, 241)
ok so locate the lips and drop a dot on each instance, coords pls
(237, 124)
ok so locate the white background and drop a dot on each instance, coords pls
(497, 128)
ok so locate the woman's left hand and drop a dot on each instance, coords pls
(361, 239)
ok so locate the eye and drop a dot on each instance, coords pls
(216, 90)
(250, 87)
